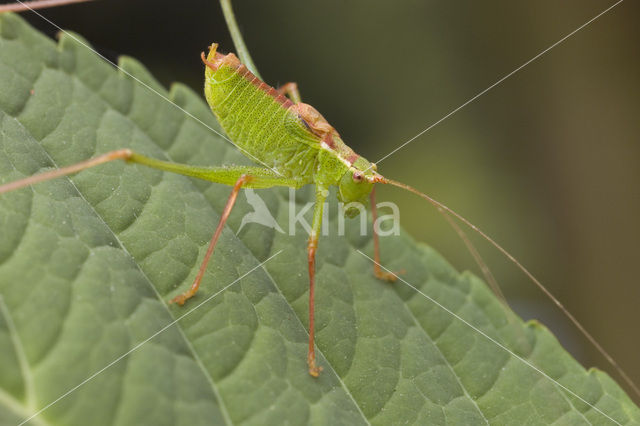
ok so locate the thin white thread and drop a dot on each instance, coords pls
(500, 345)
(115, 361)
(499, 81)
(145, 85)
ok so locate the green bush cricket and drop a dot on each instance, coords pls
(295, 143)
(323, 147)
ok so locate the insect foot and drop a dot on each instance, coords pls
(314, 370)
(386, 276)
(181, 298)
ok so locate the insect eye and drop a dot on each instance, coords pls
(357, 176)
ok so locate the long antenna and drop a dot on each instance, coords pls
(441, 207)
(36, 4)
(491, 280)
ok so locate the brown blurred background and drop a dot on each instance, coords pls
(548, 162)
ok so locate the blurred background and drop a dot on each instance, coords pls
(547, 162)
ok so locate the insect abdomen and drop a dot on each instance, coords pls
(259, 120)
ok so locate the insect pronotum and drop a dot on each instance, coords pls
(295, 132)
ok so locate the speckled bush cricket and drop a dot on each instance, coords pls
(301, 148)
(380, 181)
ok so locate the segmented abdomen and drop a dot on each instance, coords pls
(260, 121)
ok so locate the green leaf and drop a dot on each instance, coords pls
(88, 263)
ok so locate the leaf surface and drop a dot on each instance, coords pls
(88, 263)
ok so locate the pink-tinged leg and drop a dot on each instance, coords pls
(180, 299)
(290, 89)
(121, 154)
(312, 246)
(377, 270)
(36, 4)
(314, 370)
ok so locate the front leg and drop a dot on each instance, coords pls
(312, 245)
(377, 270)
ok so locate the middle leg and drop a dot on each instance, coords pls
(312, 246)
(181, 298)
